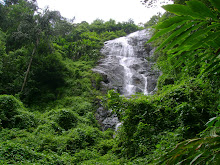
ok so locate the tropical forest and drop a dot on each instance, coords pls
(108, 92)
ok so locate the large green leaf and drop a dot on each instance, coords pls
(202, 31)
(195, 151)
(184, 35)
(201, 9)
(172, 20)
(166, 30)
(194, 43)
(181, 10)
(176, 33)
(213, 36)
(194, 38)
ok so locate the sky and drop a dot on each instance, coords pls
(90, 10)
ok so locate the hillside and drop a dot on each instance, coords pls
(49, 94)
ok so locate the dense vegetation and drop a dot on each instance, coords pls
(186, 106)
(49, 94)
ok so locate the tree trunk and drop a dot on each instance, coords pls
(29, 66)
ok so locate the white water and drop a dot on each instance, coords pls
(124, 51)
(118, 126)
(125, 65)
(127, 60)
(125, 68)
(145, 85)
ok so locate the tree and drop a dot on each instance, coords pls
(154, 3)
(153, 21)
(42, 25)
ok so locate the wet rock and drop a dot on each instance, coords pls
(126, 69)
(124, 66)
(106, 118)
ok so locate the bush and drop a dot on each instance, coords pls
(66, 119)
(104, 146)
(16, 153)
(25, 120)
(188, 106)
(82, 137)
(85, 155)
(14, 115)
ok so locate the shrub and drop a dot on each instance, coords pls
(85, 155)
(82, 137)
(25, 120)
(104, 146)
(66, 119)
(14, 115)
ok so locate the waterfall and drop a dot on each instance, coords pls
(125, 64)
(126, 57)
(126, 69)
(145, 85)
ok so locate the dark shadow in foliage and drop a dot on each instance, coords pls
(47, 75)
(66, 119)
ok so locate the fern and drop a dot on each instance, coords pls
(194, 151)
(204, 150)
(194, 30)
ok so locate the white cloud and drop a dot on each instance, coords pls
(89, 10)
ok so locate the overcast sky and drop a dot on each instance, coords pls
(89, 10)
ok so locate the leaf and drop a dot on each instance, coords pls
(181, 59)
(213, 44)
(199, 58)
(161, 32)
(212, 65)
(184, 35)
(193, 38)
(181, 10)
(175, 33)
(201, 9)
(200, 32)
(172, 21)
(217, 124)
(178, 50)
(196, 158)
(198, 38)
(206, 39)
(216, 4)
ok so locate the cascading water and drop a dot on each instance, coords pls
(126, 58)
(125, 64)
(125, 69)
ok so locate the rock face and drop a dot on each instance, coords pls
(106, 118)
(125, 67)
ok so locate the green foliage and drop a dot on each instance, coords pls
(59, 125)
(46, 62)
(13, 66)
(182, 108)
(195, 151)
(193, 39)
(204, 150)
(153, 21)
(50, 141)
(189, 46)
(104, 146)
(66, 119)
(9, 106)
(14, 115)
